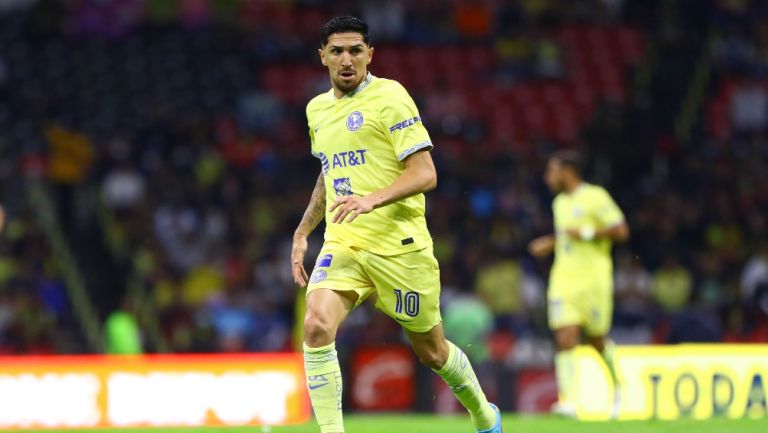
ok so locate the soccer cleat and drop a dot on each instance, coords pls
(564, 409)
(496, 427)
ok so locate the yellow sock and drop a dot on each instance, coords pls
(458, 374)
(607, 356)
(321, 365)
(564, 370)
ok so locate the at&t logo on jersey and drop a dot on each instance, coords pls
(355, 121)
(349, 158)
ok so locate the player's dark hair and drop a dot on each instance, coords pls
(345, 24)
(572, 159)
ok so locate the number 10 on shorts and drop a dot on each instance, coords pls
(410, 300)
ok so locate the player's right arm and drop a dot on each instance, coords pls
(542, 246)
(312, 216)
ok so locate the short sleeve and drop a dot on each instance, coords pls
(404, 125)
(311, 132)
(314, 151)
(606, 210)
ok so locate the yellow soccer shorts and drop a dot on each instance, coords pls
(407, 286)
(587, 302)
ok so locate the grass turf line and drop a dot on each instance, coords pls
(512, 424)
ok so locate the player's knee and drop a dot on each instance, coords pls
(598, 343)
(431, 357)
(566, 340)
(318, 329)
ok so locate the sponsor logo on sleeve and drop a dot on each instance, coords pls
(404, 124)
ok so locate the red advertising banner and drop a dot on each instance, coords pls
(382, 378)
(536, 390)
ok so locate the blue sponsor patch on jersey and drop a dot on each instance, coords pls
(404, 124)
(324, 261)
(342, 186)
(355, 121)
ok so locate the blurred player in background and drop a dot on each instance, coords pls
(376, 165)
(580, 294)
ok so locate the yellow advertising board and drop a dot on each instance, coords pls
(156, 390)
(671, 382)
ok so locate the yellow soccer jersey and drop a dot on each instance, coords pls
(588, 205)
(362, 140)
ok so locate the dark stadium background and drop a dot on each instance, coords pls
(155, 161)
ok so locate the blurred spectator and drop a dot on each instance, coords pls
(122, 334)
(467, 323)
(755, 273)
(505, 289)
(749, 108)
(632, 289)
(188, 233)
(386, 21)
(123, 187)
(672, 285)
(473, 18)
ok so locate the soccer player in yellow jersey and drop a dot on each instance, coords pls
(375, 167)
(580, 294)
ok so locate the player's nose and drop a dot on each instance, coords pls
(346, 59)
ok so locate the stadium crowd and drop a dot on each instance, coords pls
(176, 132)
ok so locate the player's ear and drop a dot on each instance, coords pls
(321, 52)
(370, 56)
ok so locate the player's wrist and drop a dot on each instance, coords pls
(376, 200)
(587, 233)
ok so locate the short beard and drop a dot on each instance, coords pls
(346, 88)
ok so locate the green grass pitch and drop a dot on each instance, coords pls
(512, 424)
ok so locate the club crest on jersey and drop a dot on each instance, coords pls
(355, 121)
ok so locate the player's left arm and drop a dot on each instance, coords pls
(419, 176)
(616, 233)
(611, 222)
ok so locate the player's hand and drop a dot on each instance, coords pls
(542, 246)
(573, 233)
(352, 206)
(298, 251)
(585, 233)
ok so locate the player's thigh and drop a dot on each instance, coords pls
(408, 288)
(599, 311)
(563, 308)
(339, 268)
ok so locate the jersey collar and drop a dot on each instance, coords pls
(368, 80)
